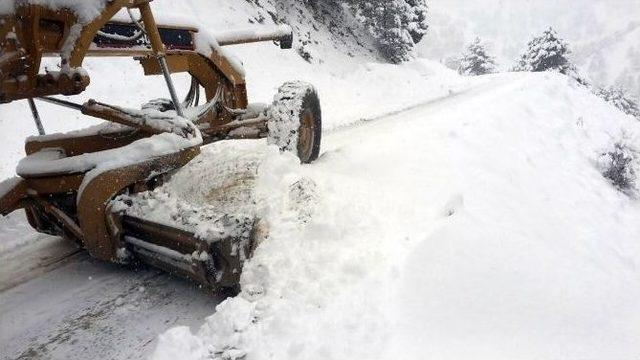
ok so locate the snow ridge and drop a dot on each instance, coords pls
(437, 244)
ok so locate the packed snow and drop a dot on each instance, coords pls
(212, 196)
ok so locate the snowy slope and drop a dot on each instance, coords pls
(604, 34)
(473, 227)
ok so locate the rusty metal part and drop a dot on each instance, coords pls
(60, 102)
(140, 121)
(100, 189)
(67, 222)
(11, 199)
(151, 30)
(45, 84)
(82, 144)
(306, 137)
(210, 263)
(54, 184)
(44, 32)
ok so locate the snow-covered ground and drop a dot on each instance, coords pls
(447, 217)
(57, 303)
(454, 230)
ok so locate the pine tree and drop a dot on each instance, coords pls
(618, 98)
(476, 61)
(396, 25)
(547, 53)
(415, 18)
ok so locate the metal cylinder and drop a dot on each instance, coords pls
(158, 48)
(36, 116)
(172, 90)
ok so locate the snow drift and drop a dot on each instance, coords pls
(477, 226)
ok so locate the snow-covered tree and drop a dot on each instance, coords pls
(618, 98)
(415, 18)
(547, 52)
(476, 61)
(619, 166)
(396, 25)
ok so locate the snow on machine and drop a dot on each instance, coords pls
(73, 185)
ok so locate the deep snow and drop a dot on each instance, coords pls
(447, 231)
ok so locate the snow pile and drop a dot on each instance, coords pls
(478, 227)
(212, 196)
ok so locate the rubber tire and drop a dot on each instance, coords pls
(301, 101)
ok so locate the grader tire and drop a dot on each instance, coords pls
(295, 121)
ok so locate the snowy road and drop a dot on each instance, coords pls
(59, 303)
(79, 308)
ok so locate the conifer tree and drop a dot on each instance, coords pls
(476, 61)
(618, 98)
(396, 25)
(547, 52)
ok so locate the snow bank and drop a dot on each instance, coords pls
(474, 227)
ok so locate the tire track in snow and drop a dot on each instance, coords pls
(436, 103)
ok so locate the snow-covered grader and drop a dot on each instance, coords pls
(67, 182)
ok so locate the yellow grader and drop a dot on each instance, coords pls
(67, 182)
